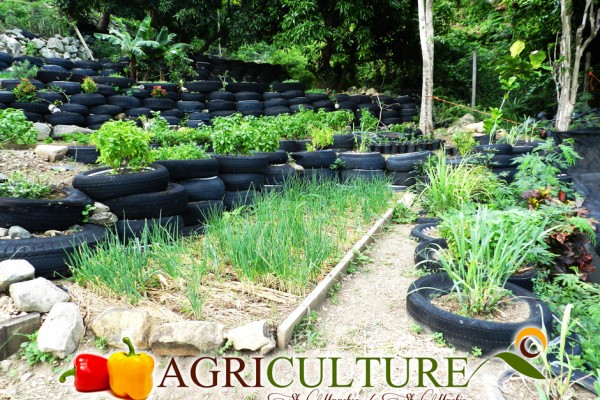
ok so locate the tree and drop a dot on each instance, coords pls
(426, 35)
(571, 48)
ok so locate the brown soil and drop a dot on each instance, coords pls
(518, 387)
(507, 310)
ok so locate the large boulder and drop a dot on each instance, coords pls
(62, 330)
(116, 323)
(187, 338)
(38, 295)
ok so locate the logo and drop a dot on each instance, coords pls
(528, 337)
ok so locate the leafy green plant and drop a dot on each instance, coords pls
(17, 185)
(101, 344)
(87, 213)
(403, 214)
(485, 248)
(32, 353)
(306, 335)
(23, 70)
(321, 139)
(416, 328)
(25, 91)
(88, 85)
(158, 92)
(15, 128)
(78, 137)
(123, 146)
(180, 152)
(464, 142)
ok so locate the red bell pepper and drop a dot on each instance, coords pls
(91, 373)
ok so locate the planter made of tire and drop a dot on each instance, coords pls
(273, 157)
(201, 189)
(496, 149)
(65, 118)
(279, 174)
(405, 162)
(88, 99)
(83, 154)
(238, 164)
(68, 88)
(347, 141)
(43, 214)
(242, 181)
(203, 86)
(398, 178)
(125, 102)
(426, 256)
(128, 229)
(75, 108)
(199, 212)
(100, 184)
(466, 333)
(158, 104)
(233, 200)
(525, 279)
(362, 160)
(289, 146)
(315, 159)
(348, 175)
(180, 170)
(49, 255)
(165, 203)
(38, 108)
(106, 109)
(320, 174)
(418, 233)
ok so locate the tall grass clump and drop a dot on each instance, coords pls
(288, 239)
(486, 248)
(448, 187)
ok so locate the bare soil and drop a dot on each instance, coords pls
(507, 310)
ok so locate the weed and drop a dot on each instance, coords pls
(226, 347)
(416, 328)
(334, 293)
(87, 212)
(101, 344)
(476, 352)
(403, 214)
(306, 335)
(32, 353)
(438, 339)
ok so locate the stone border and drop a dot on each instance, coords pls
(319, 294)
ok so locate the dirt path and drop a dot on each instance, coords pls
(366, 316)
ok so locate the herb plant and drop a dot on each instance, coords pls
(15, 128)
(17, 185)
(25, 91)
(180, 152)
(123, 146)
(88, 85)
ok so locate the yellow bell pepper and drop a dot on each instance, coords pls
(130, 374)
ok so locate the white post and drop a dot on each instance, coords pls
(474, 79)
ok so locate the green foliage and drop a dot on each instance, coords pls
(306, 335)
(403, 214)
(321, 139)
(78, 137)
(25, 91)
(18, 185)
(243, 135)
(38, 17)
(123, 146)
(180, 152)
(101, 344)
(15, 128)
(464, 142)
(32, 353)
(88, 85)
(485, 248)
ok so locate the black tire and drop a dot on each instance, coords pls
(33, 117)
(47, 76)
(320, 174)
(279, 174)
(233, 200)
(173, 113)
(10, 84)
(274, 157)
(43, 215)
(316, 96)
(524, 280)
(169, 87)
(225, 113)
(241, 96)
(418, 233)
(254, 113)
(348, 175)
(88, 64)
(180, 170)
(172, 120)
(128, 229)
(496, 149)
(406, 162)
(166, 203)
(300, 107)
(106, 109)
(7, 97)
(274, 111)
(38, 62)
(506, 174)
(362, 160)
(120, 82)
(65, 118)
(49, 255)
(38, 108)
(360, 99)
(125, 102)
(220, 105)
(242, 181)
(200, 212)
(236, 87)
(242, 164)
(140, 93)
(66, 64)
(290, 94)
(75, 108)
(276, 102)
(193, 230)
(296, 101)
(195, 123)
(99, 184)
(138, 112)
(69, 88)
(288, 146)
(220, 95)
(344, 141)
(84, 72)
(391, 121)
(83, 154)
(285, 86)
(88, 100)
(398, 178)
(327, 104)
(272, 95)
(193, 97)
(426, 257)
(203, 86)
(347, 105)
(201, 189)
(501, 161)
(158, 104)
(249, 105)
(315, 159)
(466, 333)
(190, 106)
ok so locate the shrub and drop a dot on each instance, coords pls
(15, 128)
(88, 85)
(22, 70)
(17, 185)
(123, 146)
(180, 152)
(158, 91)
(25, 91)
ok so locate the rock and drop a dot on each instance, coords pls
(3, 232)
(13, 271)
(17, 232)
(60, 130)
(13, 46)
(71, 49)
(103, 219)
(16, 32)
(474, 127)
(53, 233)
(100, 208)
(116, 323)
(5, 365)
(266, 349)
(297, 167)
(66, 56)
(55, 44)
(187, 338)
(62, 330)
(42, 129)
(47, 53)
(371, 92)
(251, 336)
(51, 153)
(38, 43)
(37, 295)
(465, 120)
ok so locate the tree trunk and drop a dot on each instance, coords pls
(103, 22)
(426, 35)
(566, 68)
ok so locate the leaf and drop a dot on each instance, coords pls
(516, 48)
(520, 365)
(537, 58)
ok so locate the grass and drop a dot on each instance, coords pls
(306, 335)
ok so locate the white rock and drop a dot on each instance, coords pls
(187, 338)
(47, 53)
(62, 330)
(474, 127)
(51, 153)
(104, 219)
(100, 208)
(3, 232)
(43, 130)
(71, 49)
(116, 323)
(13, 271)
(55, 44)
(17, 232)
(14, 47)
(60, 130)
(37, 295)
(38, 43)
(251, 336)
(5, 365)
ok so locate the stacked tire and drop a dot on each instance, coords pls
(400, 168)
(499, 158)
(243, 177)
(279, 172)
(317, 165)
(365, 166)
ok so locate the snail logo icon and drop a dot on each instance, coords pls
(531, 338)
